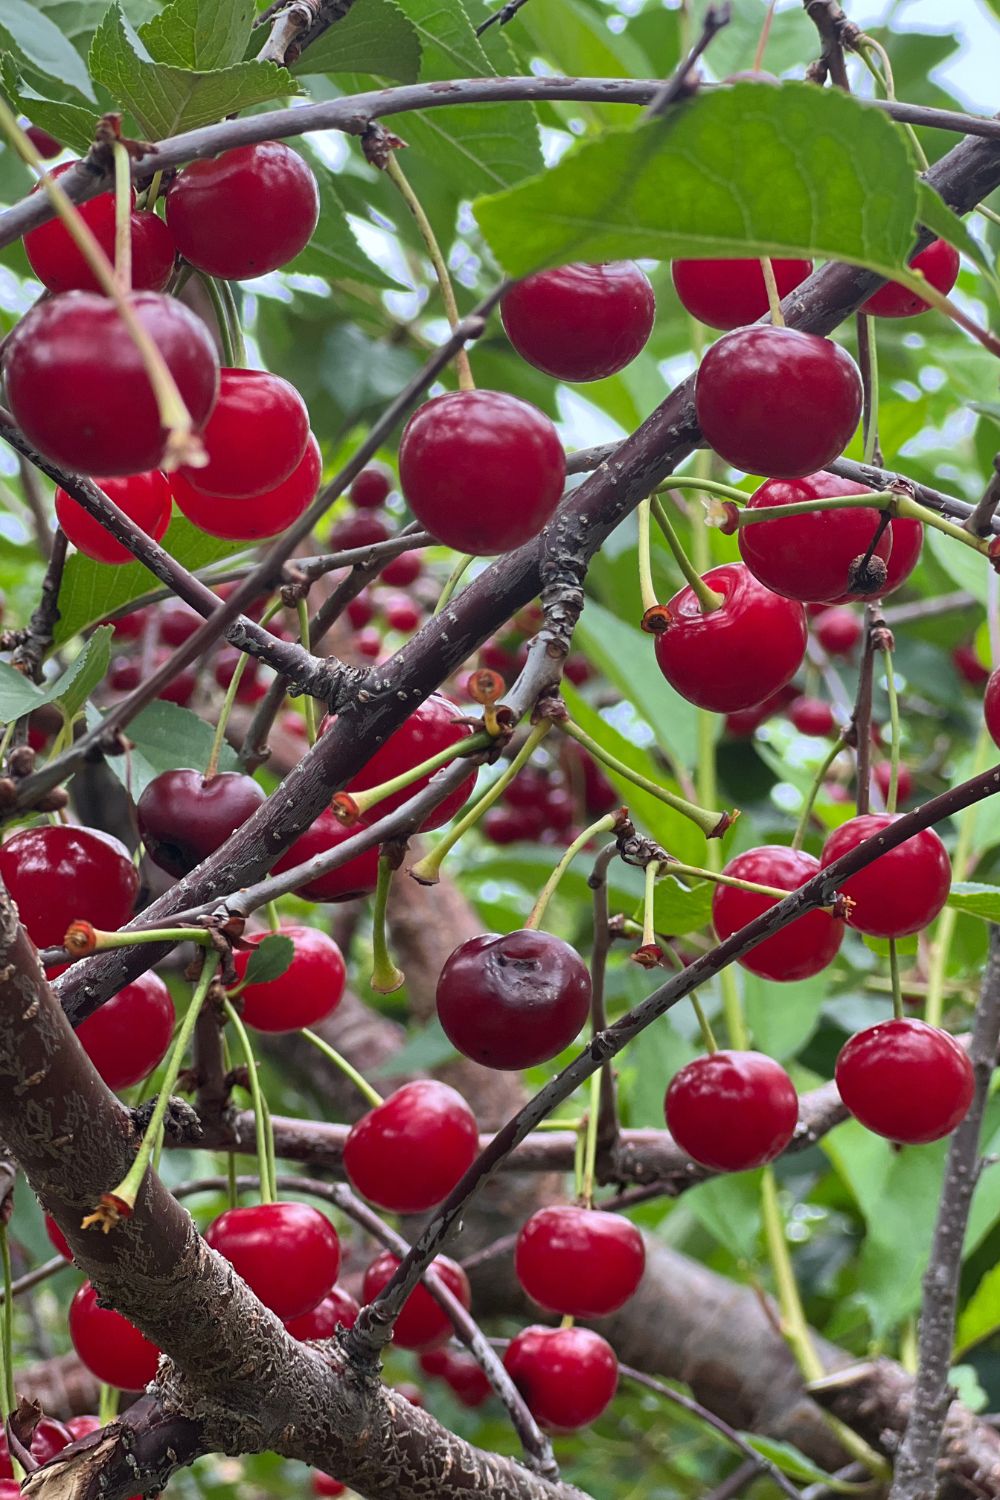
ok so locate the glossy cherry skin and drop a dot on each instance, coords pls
(579, 1260)
(59, 874)
(905, 1080)
(255, 437)
(809, 557)
(904, 780)
(939, 263)
(358, 877)
(183, 818)
(580, 322)
(838, 631)
(730, 293)
(401, 571)
(57, 1238)
(109, 1345)
(991, 706)
(432, 727)
(325, 1484)
(49, 1438)
(287, 1253)
(777, 402)
(515, 1000)
(308, 991)
(568, 1376)
(244, 213)
(466, 1377)
(482, 470)
(145, 498)
(422, 1324)
(901, 891)
(61, 267)
(372, 487)
(257, 516)
(359, 530)
(737, 655)
(907, 544)
(812, 716)
(801, 949)
(732, 1110)
(77, 387)
(338, 1309)
(407, 1154)
(129, 1036)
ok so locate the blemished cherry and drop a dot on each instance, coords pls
(579, 1260)
(801, 949)
(810, 557)
(481, 470)
(145, 499)
(255, 517)
(881, 774)
(287, 1253)
(969, 666)
(358, 877)
(110, 1347)
(568, 1376)
(905, 1080)
(183, 818)
(732, 1111)
(939, 262)
(309, 990)
(57, 1238)
(129, 1035)
(512, 1001)
(580, 322)
(838, 631)
(812, 716)
(372, 487)
(244, 213)
(408, 1153)
(776, 401)
(338, 1309)
(432, 727)
(77, 387)
(359, 530)
(991, 702)
(255, 437)
(60, 874)
(901, 891)
(728, 294)
(422, 1324)
(736, 655)
(60, 266)
(401, 571)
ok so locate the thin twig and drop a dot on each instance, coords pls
(607, 1119)
(980, 520)
(680, 83)
(29, 656)
(501, 17)
(860, 733)
(836, 32)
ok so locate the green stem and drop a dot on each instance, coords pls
(235, 326)
(9, 1395)
(806, 507)
(386, 977)
(708, 821)
(710, 487)
(934, 1007)
(366, 800)
(453, 580)
(649, 875)
(647, 589)
(590, 1143)
(272, 1155)
(897, 989)
(220, 310)
(907, 507)
(106, 941)
(309, 704)
(607, 824)
(232, 1183)
(708, 599)
(773, 295)
(871, 431)
(123, 218)
(260, 1114)
(708, 1035)
(695, 872)
(817, 782)
(361, 1083)
(107, 1405)
(890, 684)
(273, 919)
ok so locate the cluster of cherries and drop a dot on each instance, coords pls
(547, 802)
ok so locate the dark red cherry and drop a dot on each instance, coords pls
(504, 826)
(401, 571)
(401, 613)
(58, 1239)
(178, 623)
(309, 990)
(482, 470)
(358, 877)
(799, 950)
(991, 699)
(467, 1379)
(361, 610)
(153, 252)
(60, 266)
(368, 642)
(255, 437)
(901, 891)
(742, 722)
(812, 716)
(49, 1438)
(939, 263)
(732, 1110)
(77, 387)
(730, 293)
(811, 557)
(372, 487)
(905, 1080)
(579, 1260)
(132, 626)
(359, 530)
(432, 727)
(287, 1253)
(904, 780)
(969, 665)
(568, 1376)
(580, 322)
(338, 1309)
(422, 1324)
(126, 674)
(776, 401)
(515, 1000)
(110, 1347)
(183, 818)
(244, 213)
(59, 874)
(145, 499)
(838, 631)
(257, 516)
(129, 1036)
(46, 145)
(407, 1154)
(736, 655)
(325, 1484)
(250, 688)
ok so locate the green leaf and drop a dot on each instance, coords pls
(981, 1315)
(70, 123)
(165, 737)
(191, 34)
(17, 695)
(333, 252)
(797, 1466)
(745, 171)
(782, 1017)
(678, 909)
(968, 569)
(70, 690)
(269, 959)
(374, 37)
(39, 41)
(946, 224)
(729, 1208)
(424, 1050)
(978, 900)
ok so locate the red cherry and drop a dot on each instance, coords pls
(361, 610)
(513, 1001)
(568, 1376)
(732, 1110)
(907, 544)
(432, 727)
(991, 699)
(422, 1324)
(255, 437)
(466, 1377)
(812, 716)
(901, 891)
(57, 1238)
(730, 293)
(906, 1080)
(129, 1036)
(84, 1426)
(131, 626)
(46, 145)
(372, 487)
(407, 1154)
(110, 1347)
(503, 827)
(338, 1309)
(580, 322)
(368, 643)
(125, 675)
(881, 774)
(742, 723)
(838, 631)
(183, 818)
(969, 665)
(777, 402)
(810, 557)
(153, 252)
(400, 572)
(579, 1260)
(799, 950)
(939, 263)
(60, 266)
(244, 213)
(178, 623)
(325, 1484)
(59, 874)
(482, 470)
(410, 1392)
(401, 613)
(359, 530)
(309, 990)
(145, 499)
(578, 670)
(77, 387)
(257, 516)
(287, 1253)
(250, 688)
(49, 1438)
(348, 882)
(737, 655)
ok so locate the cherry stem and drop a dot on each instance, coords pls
(647, 589)
(386, 978)
(708, 599)
(7, 1337)
(753, 517)
(453, 580)
(710, 486)
(917, 282)
(361, 1083)
(868, 349)
(232, 315)
(240, 667)
(674, 867)
(105, 941)
(309, 703)
(152, 192)
(260, 1113)
(269, 1146)
(273, 920)
(372, 796)
(765, 32)
(649, 903)
(890, 687)
(707, 1034)
(607, 824)
(107, 1404)
(590, 1141)
(708, 821)
(802, 825)
(897, 989)
(214, 294)
(123, 219)
(773, 295)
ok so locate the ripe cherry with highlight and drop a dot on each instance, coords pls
(803, 948)
(906, 1080)
(408, 1153)
(579, 1261)
(732, 1110)
(580, 322)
